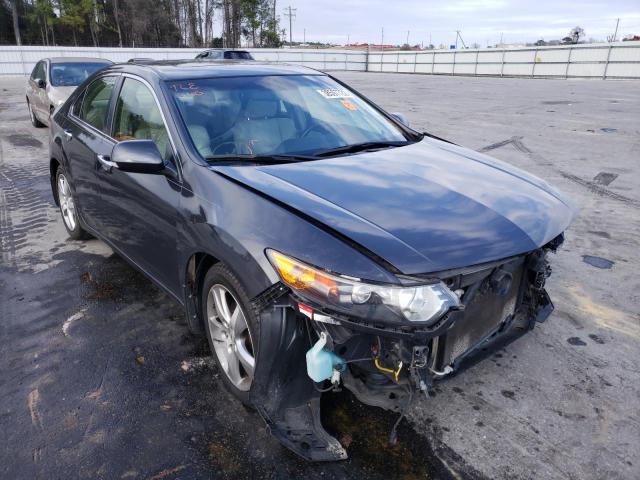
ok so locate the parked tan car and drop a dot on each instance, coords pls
(53, 80)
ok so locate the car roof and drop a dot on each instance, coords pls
(78, 60)
(225, 50)
(193, 69)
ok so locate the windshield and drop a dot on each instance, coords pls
(72, 74)
(277, 115)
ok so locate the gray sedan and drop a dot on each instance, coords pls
(53, 80)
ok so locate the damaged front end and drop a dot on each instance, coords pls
(310, 345)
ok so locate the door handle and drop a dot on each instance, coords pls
(68, 135)
(106, 163)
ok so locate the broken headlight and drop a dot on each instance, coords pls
(397, 304)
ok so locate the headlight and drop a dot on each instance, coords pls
(350, 296)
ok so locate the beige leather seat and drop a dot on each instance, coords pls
(262, 127)
(201, 139)
(149, 125)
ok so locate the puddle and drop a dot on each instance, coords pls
(604, 178)
(21, 140)
(608, 130)
(598, 262)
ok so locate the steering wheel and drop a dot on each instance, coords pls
(315, 127)
(219, 147)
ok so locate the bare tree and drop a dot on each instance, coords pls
(575, 34)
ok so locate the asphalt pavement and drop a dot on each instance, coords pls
(99, 377)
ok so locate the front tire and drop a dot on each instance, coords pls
(34, 120)
(68, 207)
(232, 329)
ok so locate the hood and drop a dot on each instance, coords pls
(59, 95)
(425, 207)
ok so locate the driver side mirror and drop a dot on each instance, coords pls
(137, 156)
(401, 118)
(40, 83)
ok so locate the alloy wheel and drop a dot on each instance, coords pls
(67, 205)
(230, 337)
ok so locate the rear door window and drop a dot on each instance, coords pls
(237, 55)
(95, 105)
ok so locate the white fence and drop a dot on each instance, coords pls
(615, 60)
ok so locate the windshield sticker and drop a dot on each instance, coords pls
(348, 105)
(335, 93)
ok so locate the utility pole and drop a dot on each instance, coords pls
(304, 36)
(291, 13)
(382, 41)
(348, 39)
(501, 39)
(616, 32)
(461, 40)
(407, 37)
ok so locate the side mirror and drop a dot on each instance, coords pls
(137, 156)
(40, 83)
(401, 118)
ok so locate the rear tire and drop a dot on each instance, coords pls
(68, 206)
(232, 329)
(34, 120)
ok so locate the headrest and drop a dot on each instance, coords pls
(261, 108)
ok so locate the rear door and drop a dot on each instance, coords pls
(141, 209)
(86, 140)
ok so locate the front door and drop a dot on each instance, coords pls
(142, 208)
(38, 95)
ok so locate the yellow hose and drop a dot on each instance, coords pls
(393, 372)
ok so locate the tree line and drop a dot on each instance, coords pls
(140, 23)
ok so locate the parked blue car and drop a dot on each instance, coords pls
(314, 238)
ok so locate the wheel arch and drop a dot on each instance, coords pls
(195, 270)
(54, 165)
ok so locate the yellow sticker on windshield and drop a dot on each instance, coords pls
(348, 105)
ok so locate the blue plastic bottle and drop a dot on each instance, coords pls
(320, 362)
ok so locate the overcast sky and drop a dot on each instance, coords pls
(480, 21)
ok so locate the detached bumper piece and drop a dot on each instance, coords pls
(284, 395)
(381, 366)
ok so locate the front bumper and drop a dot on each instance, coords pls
(501, 302)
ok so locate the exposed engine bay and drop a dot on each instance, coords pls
(386, 366)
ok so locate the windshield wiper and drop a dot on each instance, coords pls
(245, 157)
(358, 147)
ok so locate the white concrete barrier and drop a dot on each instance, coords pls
(605, 60)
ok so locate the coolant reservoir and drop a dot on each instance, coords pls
(321, 362)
